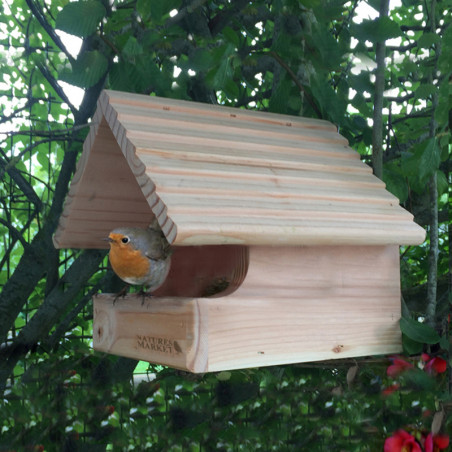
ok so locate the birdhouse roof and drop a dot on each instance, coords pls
(218, 175)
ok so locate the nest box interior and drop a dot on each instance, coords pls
(285, 244)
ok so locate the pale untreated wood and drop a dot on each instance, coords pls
(295, 304)
(217, 175)
(285, 245)
(119, 99)
(166, 331)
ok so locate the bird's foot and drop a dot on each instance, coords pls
(143, 294)
(121, 294)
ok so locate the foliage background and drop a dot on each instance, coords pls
(285, 56)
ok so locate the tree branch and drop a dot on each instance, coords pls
(50, 311)
(432, 273)
(37, 12)
(20, 181)
(377, 129)
(56, 86)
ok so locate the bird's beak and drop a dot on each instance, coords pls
(107, 239)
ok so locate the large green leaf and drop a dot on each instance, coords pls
(428, 39)
(87, 70)
(80, 18)
(132, 47)
(280, 96)
(419, 332)
(395, 182)
(158, 9)
(420, 165)
(425, 90)
(376, 30)
(222, 70)
(419, 380)
(144, 8)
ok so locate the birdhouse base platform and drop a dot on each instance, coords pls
(295, 304)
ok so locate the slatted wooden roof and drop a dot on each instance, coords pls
(219, 175)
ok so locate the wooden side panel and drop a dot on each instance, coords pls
(309, 304)
(295, 305)
(258, 332)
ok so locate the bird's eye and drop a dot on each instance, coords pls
(125, 240)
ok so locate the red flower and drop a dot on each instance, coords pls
(390, 389)
(435, 365)
(397, 367)
(436, 443)
(402, 441)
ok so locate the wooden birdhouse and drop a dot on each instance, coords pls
(286, 247)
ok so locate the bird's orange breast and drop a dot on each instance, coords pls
(127, 262)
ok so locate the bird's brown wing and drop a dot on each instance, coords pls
(157, 246)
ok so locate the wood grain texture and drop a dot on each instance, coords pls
(217, 175)
(295, 304)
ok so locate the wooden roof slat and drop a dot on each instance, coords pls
(216, 140)
(241, 186)
(144, 118)
(207, 149)
(173, 139)
(298, 232)
(157, 164)
(300, 162)
(118, 100)
(293, 207)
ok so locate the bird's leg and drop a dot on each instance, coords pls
(142, 292)
(122, 293)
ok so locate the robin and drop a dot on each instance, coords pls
(140, 256)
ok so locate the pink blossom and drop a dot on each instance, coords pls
(402, 441)
(398, 366)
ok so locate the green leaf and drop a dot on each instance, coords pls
(361, 83)
(132, 47)
(396, 183)
(425, 90)
(419, 166)
(231, 36)
(43, 158)
(231, 89)
(441, 182)
(280, 96)
(444, 343)
(144, 8)
(80, 18)
(427, 40)
(420, 379)
(222, 70)
(411, 347)
(377, 30)
(419, 332)
(87, 70)
(200, 60)
(159, 9)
